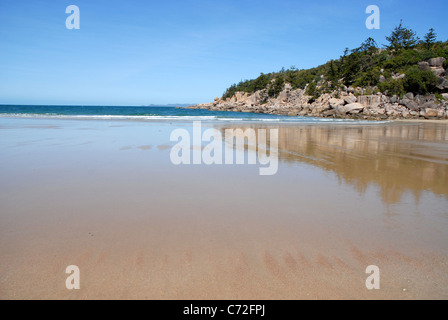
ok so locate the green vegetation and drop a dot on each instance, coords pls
(249, 85)
(439, 97)
(430, 39)
(419, 81)
(276, 87)
(402, 38)
(393, 87)
(392, 70)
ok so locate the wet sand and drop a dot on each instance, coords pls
(103, 195)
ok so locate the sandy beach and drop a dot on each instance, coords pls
(104, 196)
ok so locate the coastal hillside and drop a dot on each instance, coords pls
(405, 79)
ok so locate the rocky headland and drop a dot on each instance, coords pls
(345, 102)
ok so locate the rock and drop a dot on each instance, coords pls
(350, 99)
(335, 103)
(420, 99)
(285, 94)
(254, 99)
(341, 103)
(375, 111)
(352, 108)
(405, 114)
(409, 96)
(394, 99)
(437, 62)
(442, 83)
(240, 96)
(371, 100)
(397, 76)
(423, 65)
(293, 113)
(410, 104)
(329, 113)
(382, 79)
(394, 114)
(437, 71)
(320, 108)
(429, 105)
(430, 113)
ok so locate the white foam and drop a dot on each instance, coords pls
(303, 120)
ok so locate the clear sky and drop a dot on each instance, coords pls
(137, 52)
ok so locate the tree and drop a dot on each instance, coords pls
(333, 73)
(276, 87)
(402, 38)
(429, 39)
(260, 83)
(312, 91)
(369, 46)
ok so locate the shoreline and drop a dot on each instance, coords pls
(346, 103)
(294, 111)
(442, 121)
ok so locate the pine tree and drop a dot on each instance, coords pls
(402, 38)
(430, 39)
(368, 46)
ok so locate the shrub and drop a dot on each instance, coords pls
(369, 78)
(392, 87)
(420, 82)
(312, 90)
(439, 97)
(404, 59)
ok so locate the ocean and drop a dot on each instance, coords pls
(147, 113)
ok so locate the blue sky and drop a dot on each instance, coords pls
(189, 51)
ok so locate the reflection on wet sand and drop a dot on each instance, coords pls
(140, 227)
(397, 157)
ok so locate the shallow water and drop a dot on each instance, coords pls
(151, 113)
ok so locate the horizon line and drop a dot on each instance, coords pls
(98, 105)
